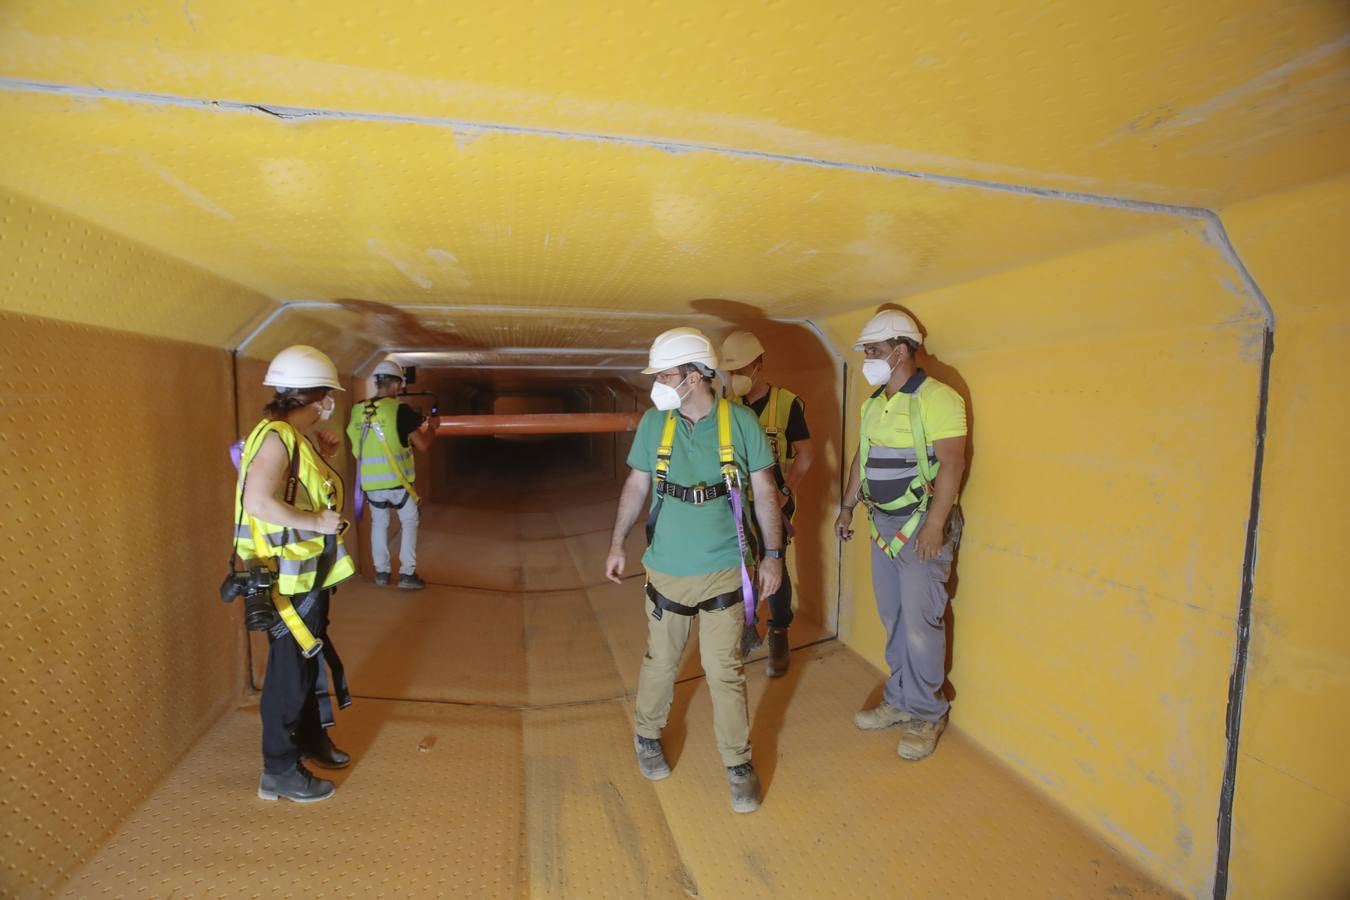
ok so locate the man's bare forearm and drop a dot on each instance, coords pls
(767, 511)
(630, 506)
(852, 490)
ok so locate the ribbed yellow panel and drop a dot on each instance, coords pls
(1173, 101)
(1292, 813)
(1113, 398)
(63, 268)
(116, 653)
(425, 215)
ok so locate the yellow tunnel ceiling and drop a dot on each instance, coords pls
(524, 154)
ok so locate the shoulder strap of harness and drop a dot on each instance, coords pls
(916, 431)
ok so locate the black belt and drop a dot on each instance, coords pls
(660, 603)
(698, 495)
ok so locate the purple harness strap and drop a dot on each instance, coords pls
(747, 587)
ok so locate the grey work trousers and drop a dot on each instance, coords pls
(912, 603)
(379, 530)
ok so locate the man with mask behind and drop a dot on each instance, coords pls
(911, 455)
(783, 416)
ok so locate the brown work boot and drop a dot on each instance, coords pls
(920, 738)
(778, 653)
(883, 715)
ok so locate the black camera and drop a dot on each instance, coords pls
(255, 586)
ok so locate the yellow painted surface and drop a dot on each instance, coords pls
(407, 214)
(1113, 402)
(1292, 817)
(116, 654)
(575, 178)
(61, 268)
(1181, 102)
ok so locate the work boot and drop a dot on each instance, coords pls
(325, 754)
(382, 578)
(778, 652)
(410, 582)
(883, 715)
(744, 788)
(651, 758)
(297, 785)
(920, 738)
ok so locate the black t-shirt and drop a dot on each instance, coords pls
(409, 420)
(796, 423)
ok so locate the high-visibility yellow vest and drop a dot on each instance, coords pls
(383, 460)
(774, 420)
(294, 551)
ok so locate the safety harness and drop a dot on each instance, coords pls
(371, 422)
(920, 489)
(774, 419)
(776, 412)
(731, 487)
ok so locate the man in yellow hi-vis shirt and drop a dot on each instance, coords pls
(911, 455)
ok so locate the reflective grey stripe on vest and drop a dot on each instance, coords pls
(298, 567)
(891, 472)
(275, 539)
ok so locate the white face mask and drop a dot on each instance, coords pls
(665, 397)
(741, 384)
(877, 371)
(326, 409)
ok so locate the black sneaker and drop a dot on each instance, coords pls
(651, 758)
(297, 785)
(382, 578)
(325, 754)
(411, 582)
(744, 788)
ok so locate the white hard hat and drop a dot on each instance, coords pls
(887, 324)
(679, 346)
(388, 367)
(740, 349)
(300, 367)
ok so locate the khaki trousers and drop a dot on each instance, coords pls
(719, 638)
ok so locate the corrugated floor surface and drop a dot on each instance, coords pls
(492, 758)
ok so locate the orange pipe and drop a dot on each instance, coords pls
(539, 423)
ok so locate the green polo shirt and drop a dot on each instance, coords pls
(689, 539)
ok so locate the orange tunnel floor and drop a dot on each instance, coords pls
(491, 738)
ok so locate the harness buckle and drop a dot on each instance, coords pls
(700, 493)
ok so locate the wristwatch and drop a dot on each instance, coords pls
(773, 554)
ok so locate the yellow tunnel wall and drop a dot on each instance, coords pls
(1292, 811)
(1113, 401)
(116, 654)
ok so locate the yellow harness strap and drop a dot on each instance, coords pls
(666, 447)
(726, 453)
(309, 644)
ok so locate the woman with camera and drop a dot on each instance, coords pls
(287, 531)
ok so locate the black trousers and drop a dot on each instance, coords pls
(289, 706)
(780, 603)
